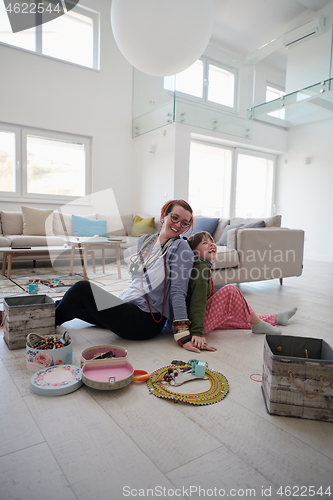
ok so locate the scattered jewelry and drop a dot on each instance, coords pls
(160, 383)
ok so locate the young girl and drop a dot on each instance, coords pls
(160, 274)
(227, 308)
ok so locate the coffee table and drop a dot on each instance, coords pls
(90, 244)
(9, 253)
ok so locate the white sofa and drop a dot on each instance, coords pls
(37, 228)
(248, 253)
(257, 253)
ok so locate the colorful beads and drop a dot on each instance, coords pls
(171, 373)
(49, 343)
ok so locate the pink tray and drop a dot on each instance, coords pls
(117, 352)
(107, 377)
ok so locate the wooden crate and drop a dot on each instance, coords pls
(27, 314)
(297, 377)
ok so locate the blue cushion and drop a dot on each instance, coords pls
(88, 227)
(208, 224)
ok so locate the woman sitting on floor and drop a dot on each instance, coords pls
(160, 272)
(227, 308)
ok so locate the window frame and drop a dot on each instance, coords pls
(20, 193)
(236, 150)
(205, 86)
(86, 11)
(258, 154)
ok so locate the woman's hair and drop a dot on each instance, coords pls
(196, 239)
(167, 208)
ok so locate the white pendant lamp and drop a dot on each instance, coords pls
(162, 37)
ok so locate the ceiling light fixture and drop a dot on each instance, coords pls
(162, 37)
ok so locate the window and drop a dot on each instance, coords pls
(210, 82)
(273, 93)
(37, 164)
(230, 182)
(189, 81)
(254, 184)
(221, 88)
(209, 186)
(72, 37)
(7, 161)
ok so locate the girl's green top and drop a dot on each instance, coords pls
(199, 289)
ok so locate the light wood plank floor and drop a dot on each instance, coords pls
(107, 445)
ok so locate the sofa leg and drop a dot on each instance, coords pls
(281, 281)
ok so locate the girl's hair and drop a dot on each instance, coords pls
(167, 208)
(196, 239)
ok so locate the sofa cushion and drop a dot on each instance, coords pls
(127, 220)
(143, 226)
(274, 221)
(4, 242)
(12, 222)
(114, 224)
(19, 240)
(225, 257)
(220, 228)
(208, 224)
(37, 221)
(61, 219)
(223, 240)
(88, 227)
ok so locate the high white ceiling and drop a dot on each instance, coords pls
(243, 26)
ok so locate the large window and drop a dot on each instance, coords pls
(230, 182)
(72, 37)
(37, 164)
(207, 81)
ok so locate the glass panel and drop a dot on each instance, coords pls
(55, 167)
(254, 186)
(199, 115)
(71, 38)
(221, 87)
(24, 39)
(189, 81)
(7, 161)
(272, 94)
(210, 180)
(308, 104)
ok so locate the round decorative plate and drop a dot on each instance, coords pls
(218, 389)
(56, 380)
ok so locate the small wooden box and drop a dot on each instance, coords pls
(297, 377)
(27, 314)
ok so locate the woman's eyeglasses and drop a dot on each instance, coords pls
(175, 218)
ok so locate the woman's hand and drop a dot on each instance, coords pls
(197, 344)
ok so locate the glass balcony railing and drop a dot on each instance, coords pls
(198, 115)
(310, 104)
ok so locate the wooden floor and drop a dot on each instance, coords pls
(108, 445)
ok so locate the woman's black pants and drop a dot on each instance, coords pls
(90, 303)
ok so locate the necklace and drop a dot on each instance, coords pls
(141, 261)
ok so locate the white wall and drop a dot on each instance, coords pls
(304, 192)
(45, 93)
(154, 173)
(311, 58)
